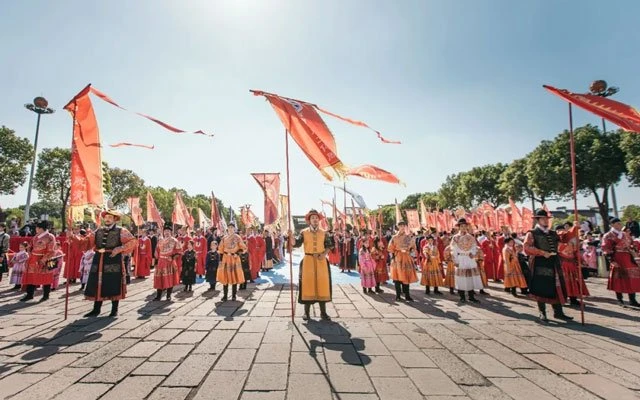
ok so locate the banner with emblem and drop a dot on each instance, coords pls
(284, 215)
(270, 184)
(413, 220)
(136, 210)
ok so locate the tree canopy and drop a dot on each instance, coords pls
(53, 177)
(15, 155)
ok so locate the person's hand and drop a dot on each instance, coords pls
(115, 252)
(289, 232)
(547, 254)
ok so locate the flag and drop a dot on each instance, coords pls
(623, 115)
(527, 218)
(516, 217)
(398, 213)
(181, 215)
(369, 171)
(423, 215)
(123, 144)
(324, 224)
(270, 184)
(306, 127)
(136, 211)
(373, 220)
(355, 196)
(203, 221)
(284, 213)
(413, 220)
(86, 160)
(153, 214)
(358, 123)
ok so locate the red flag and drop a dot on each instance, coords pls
(368, 171)
(86, 161)
(527, 218)
(215, 214)
(324, 224)
(180, 215)
(136, 211)
(516, 217)
(270, 184)
(307, 128)
(623, 115)
(423, 215)
(124, 144)
(153, 214)
(413, 220)
(358, 123)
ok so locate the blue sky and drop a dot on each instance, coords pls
(458, 82)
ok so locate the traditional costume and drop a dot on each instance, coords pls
(513, 276)
(403, 270)
(38, 271)
(431, 264)
(85, 267)
(189, 266)
(211, 269)
(18, 265)
(268, 248)
(367, 270)
(107, 277)
(230, 268)
(58, 266)
(568, 252)
(624, 274)
(450, 276)
(166, 274)
(143, 257)
(346, 246)
(5, 241)
(314, 284)
(254, 265)
(379, 256)
(490, 265)
(76, 245)
(464, 249)
(260, 253)
(200, 247)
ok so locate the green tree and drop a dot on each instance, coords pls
(449, 192)
(630, 145)
(631, 212)
(53, 178)
(514, 183)
(45, 207)
(124, 184)
(411, 202)
(15, 155)
(431, 199)
(547, 172)
(482, 184)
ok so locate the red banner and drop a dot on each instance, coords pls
(181, 215)
(527, 219)
(516, 217)
(153, 214)
(413, 220)
(136, 211)
(125, 144)
(270, 184)
(623, 115)
(368, 171)
(86, 160)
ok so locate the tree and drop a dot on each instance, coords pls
(44, 207)
(449, 192)
(411, 202)
(15, 155)
(53, 178)
(630, 145)
(431, 199)
(124, 184)
(631, 212)
(547, 173)
(514, 184)
(482, 184)
(600, 163)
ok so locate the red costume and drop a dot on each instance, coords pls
(183, 240)
(77, 245)
(42, 249)
(334, 253)
(143, 257)
(624, 275)
(261, 252)
(200, 247)
(497, 256)
(490, 261)
(168, 252)
(567, 250)
(254, 263)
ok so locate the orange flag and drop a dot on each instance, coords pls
(516, 217)
(369, 171)
(86, 160)
(358, 123)
(623, 115)
(413, 220)
(309, 131)
(153, 214)
(180, 215)
(270, 184)
(136, 211)
(398, 213)
(527, 218)
(125, 144)
(424, 220)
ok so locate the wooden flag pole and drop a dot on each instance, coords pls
(286, 146)
(574, 178)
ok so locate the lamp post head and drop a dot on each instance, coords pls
(600, 88)
(39, 106)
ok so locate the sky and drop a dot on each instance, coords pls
(458, 82)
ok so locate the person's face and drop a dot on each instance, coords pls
(109, 219)
(39, 230)
(231, 229)
(464, 228)
(167, 232)
(214, 246)
(190, 246)
(543, 222)
(314, 221)
(618, 226)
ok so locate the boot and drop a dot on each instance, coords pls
(542, 308)
(632, 300)
(234, 290)
(513, 292)
(323, 311)
(46, 289)
(463, 296)
(618, 296)
(225, 292)
(398, 286)
(370, 290)
(437, 291)
(574, 301)
(31, 289)
(307, 311)
(483, 292)
(169, 291)
(364, 290)
(97, 305)
(451, 291)
(472, 297)
(427, 290)
(407, 296)
(378, 290)
(524, 291)
(114, 308)
(559, 314)
(158, 295)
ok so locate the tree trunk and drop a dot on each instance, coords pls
(603, 206)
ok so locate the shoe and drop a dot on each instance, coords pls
(483, 292)
(364, 290)
(233, 298)
(574, 302)
(452, 291)
(370, 290)
(563, 317)
(26, 298)
(325, 317)
(542, 317)
(43, 299)
(634, 303)
(92, 313)
(408, 299)
(398, 298)
(224, 298)
(378, 290)
(436, 291)
(305, 317)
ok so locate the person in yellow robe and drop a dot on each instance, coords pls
(230, 268)
(403, 269)
(314, 285)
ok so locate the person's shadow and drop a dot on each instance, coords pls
(335, 337)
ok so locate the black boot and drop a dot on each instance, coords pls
(483, 292)
(323, 311)
(398, 286)
(513, 292)
(169, 291)
(632, 300)
(364, 290)
(463, 296)
(97, 305)
(407, 296)
(619, 297)
(31, 289)
(378, 290)
(427, 290)
(225, 292)
(234, 290)
(158, 295)
(524, 291)
(574, 301)
(370, 290)
(542, 308)
(46, 289)
(559, 314)
(437, 291)
(114, 308)
(452, 290)
(472, 297)
(307, 311)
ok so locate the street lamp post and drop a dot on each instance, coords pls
(600, 88)
(39, 106)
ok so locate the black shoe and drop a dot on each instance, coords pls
(634, 303)
(224, 298)
(452, 291)
(398, 298)
(562, 317)
(370, 290)
(574, 302)
(408, 298)
(233, 298)
(473, 299)
(497, 281)
(378, 290)
(427, 290)
(436, 291)
(43, 299)
(92, 313)
(325, 317)
(26, 298)
(483, 292)
(364, 290)
(542, 317)
(305, 317)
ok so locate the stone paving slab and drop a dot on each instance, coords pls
(375, 348)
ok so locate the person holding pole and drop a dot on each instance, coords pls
(314, 285)
(107, 276)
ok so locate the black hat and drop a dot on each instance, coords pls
(231, 224)
(540, 213)
(559, 227)
(462, 221)
(83, 232)
(43, 225)
(614, 220)
(402, 223)
(168, 226)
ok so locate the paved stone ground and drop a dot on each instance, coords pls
(199, 348)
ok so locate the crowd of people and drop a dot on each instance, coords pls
(548, 264)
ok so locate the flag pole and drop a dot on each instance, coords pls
(574, 179)
(66, 295)
(286, 146)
